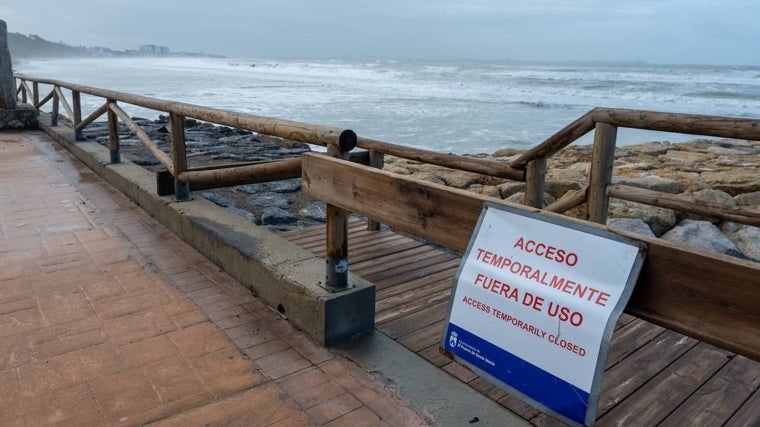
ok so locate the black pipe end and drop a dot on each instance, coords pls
(347, 140)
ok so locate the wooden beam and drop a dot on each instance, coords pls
(600, 176)
(685, 203)
(569, 201)
(45, 99)
(556, 142)
(258, 172)
(711, 297)
(470, 164)
(92, 117)
(724, 127)
(66, 106)
(535, 179)
(435, 212)
(143, 137)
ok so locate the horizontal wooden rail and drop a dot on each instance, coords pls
(276, 169)
(470, 164)
(296, 131)
(711, 297)
(143, 137)
(724, 127)
(685, 204)
(434, 212)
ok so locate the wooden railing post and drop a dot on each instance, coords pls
(600, 175)
(336, 268)
(54, 112)
(179, 156)
(376, 160)
(36, 94)
(23, 91)
(76, 102)
(113, 134)
(535, 179)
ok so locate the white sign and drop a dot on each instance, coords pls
(534, 305)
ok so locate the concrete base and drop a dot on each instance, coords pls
(24, 116)
(284, 275)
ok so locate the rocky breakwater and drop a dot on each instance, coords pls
(723, 171)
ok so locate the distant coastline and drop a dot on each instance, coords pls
(32, 46)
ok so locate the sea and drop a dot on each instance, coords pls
(461, 107)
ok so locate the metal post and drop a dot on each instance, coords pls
(113, 134)
(337, 225)
(77, 105)
(179, 156)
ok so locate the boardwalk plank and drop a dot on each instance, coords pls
(720, 397)
(654, 401)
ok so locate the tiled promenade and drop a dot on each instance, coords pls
(107, 318)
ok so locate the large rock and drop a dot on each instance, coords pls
(654, 183)
(659, 220)
(712, 196)
(633, 225)
(702, 235)
(745, 237)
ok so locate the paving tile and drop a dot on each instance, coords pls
(359, 417)
(64, 304)
(20, 322)
(334, 408)
(147, 351)
(172, 379)
(226, 371)
(138, 326)
(68, 369)
(199, 340)
(123, 395)
(303, 380)
(70, 406)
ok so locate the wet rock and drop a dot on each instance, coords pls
(286, 186)
(702, 235)
(270, 199)
(745, 237)
(218, 200)
(316, 211)
(277, 216)
(659, 220)
(654, 183)
(244, 214)
(632, 225)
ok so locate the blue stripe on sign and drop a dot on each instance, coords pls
(555, 393)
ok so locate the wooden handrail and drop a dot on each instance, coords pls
(470, 164)
(723, 127)
(687, 204)
(296, 131)
(66, 106)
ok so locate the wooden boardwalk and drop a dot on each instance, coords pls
(653, 376)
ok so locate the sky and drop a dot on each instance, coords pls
(706, 32)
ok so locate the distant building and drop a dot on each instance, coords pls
(153, 50)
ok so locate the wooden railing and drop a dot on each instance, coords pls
(711, 297)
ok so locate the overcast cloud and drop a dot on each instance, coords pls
(659, 31)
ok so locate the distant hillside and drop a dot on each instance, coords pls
(33, 46)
